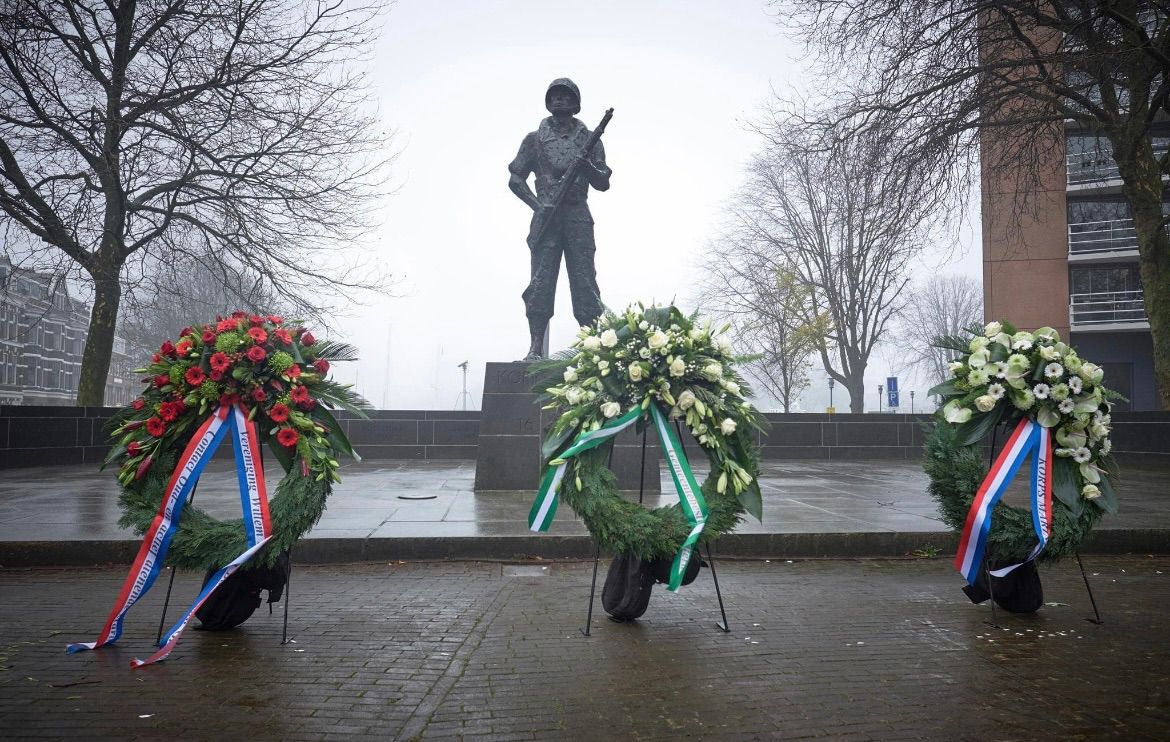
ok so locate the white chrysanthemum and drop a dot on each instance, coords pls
(1106, 446)
(1041, 391)
(1024, 399)
(1053, 371)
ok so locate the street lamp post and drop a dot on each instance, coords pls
(879, 397)
(831, 393)
(911, 401)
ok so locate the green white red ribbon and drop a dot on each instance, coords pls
(690, 497)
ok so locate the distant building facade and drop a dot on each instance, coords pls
(42, 336)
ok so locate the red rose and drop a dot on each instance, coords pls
(322, 366)
(156, 427)
(216, 374)
(162, 380)
(259, 395)
(238, 314)
(167, 411)
(134, 448)
(208, 336)
(256, 354)
(167, 349)
(275, 319)
(279, 412)
(284, 336)
(220, 362)
(256, 320)
(308, 339)
(293, 372)
(258, 334)
(229, 399)
(138, 404)
(194, 376)
(183, 347)
(299, 394)
(287, 437)
(186, 331)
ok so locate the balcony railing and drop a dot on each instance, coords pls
(1107, 236)
(1118, 307)
(1096, 167)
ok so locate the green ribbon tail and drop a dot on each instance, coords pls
(690, 497)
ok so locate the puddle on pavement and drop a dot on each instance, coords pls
(525, 570)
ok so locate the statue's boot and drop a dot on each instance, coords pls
(536, 330)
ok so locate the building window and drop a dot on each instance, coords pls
(1105, 279)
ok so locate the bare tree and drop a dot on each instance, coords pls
(944, 305)
(847, 219)
(992, 83)
(771, 313)
(230, 132)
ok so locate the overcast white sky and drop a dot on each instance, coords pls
(461, 82)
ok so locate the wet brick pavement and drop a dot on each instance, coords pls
(846, 650)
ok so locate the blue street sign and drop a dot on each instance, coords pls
(893, 399)
(892, 390)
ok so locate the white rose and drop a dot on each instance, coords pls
(713, 371)
(644, 352)
(731, 387)
(727, 427)
(636, 372)
(678, 367)
(609, 338)
(1090, 492)
(978, 343)
(573, 395)
(570, 375)
(611, 409)
(696, 333)
(986, 403)
(591, 343)
(658, 339)
(686, 400)
(993, 329)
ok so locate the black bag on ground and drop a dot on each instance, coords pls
(1019, 591)
(238, 597)
(662, 567)
(627, 587)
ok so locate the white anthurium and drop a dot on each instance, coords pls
(609, 338)
(1049, 353)
(1048, 334)
(1090, 472)
(686, 400)
(1099, 431)
(1069, 438)
(611, 409)
(1092, 373)
(1003, 339)
(954, 412)
(1085, 405)
(1048, 417)
(979, 358)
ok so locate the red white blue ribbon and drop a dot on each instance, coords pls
(1028, 438)
(152, 554)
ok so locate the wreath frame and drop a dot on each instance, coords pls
(731, 487)
(955, 443)
(283, 385)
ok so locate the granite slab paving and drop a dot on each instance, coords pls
(68, 515)
(819, 649)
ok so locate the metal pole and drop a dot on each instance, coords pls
(171, 584)
(1085, 577)
(642, 470)
(711, 561)
(287, 596)
(596, 560)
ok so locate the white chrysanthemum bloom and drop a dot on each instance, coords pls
(1053, 371)
(985, 403)
(1073, 363)
(570, 375)
(611, 409)
(609, 338)
(678, 367)
(713, 371)
(574, 395)
(731, 387)
(1106, 446)
(1022, 341)
(953, 412)
(1067, 406)
(658, 339)
(727, 427)
(1060, 392)
(978, 377)
(1019, 361)
(992, 329)
(1047, 417)
(1090, 492)
(1082, 455)
(644, 352)
(686, 400)
(995, 391)
(1041, 391)
(637, 373)
(1024, 399)
(1075, 384)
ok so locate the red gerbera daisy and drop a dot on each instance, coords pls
(167, 349)
(256, 319)
(156, 427)
(167, 411)
(258, 334)
(227, 325)
(275, 319)
(220, 362)
(256, 354)
(299, 394)
(216, 374)
(279, 412)
(162, 380)
(195, 376)
(287, 437)
(259, 395)
(183, 347)
(284, 336)
(293, 371)
(229, 399)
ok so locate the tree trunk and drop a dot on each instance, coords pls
(1143, 189)
(856, 387)
(99, 343)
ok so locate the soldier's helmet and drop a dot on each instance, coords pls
(567, 84)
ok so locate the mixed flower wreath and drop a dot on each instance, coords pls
(279, 372)
(1005, 375)
(644, 357)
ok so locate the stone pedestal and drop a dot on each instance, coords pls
(512, 426)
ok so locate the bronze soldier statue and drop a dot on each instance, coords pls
(561, 223)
